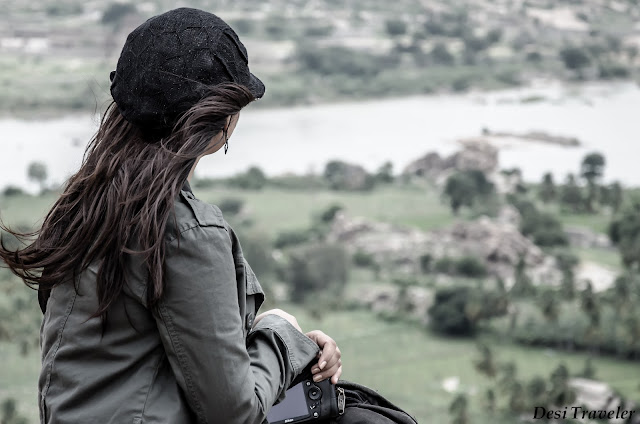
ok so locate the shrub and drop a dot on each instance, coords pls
(257, 249)
(544, 228)
(444, 265)
(613, 71)
(242, 26)
(575, 57)
(253, 179)
(448, 311)
(341, 61)
(441, 55)
(319, 30)
(291, 237)
(363, 259)
(469, 266)
(344, 176)
(465, 266)
(328, 214)
(317, 269)
(230, 205)
(426, 261)
(12, 191)
(115, 12)
(458, 310)
(395, 27)
(298, 182)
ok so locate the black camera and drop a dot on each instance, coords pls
(306, 401)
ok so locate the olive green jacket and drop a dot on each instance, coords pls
(196, 359)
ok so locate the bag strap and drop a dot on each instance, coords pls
(357, 395)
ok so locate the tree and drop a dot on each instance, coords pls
(571, 196)
(116, 12)
(441, 55)
(590, 305)
(615, 196)
(458, 310)
(549, 306)
(465, 188)
(486, 364)
(625, 233)
(518, 399)
(575, 58)
(37, 172)
(10, 413)
(253, 179)
(592, 170)
(508, 377)
(459, 410)
(566, 262)
(385, 173)
(537, 392)
(548, 191)
(522, 286)
(395, 27)
(589, 370)
(460, 190)
(561, 393)
(318, 270)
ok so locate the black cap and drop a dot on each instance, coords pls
(168, 63)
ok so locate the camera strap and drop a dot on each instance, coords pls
(342, 400)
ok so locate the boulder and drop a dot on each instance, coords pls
(429, 166)
(347, 176)
(476, 154)
(585, 238)
(595, 395)
(498, 243)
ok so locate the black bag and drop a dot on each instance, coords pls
(363, 405)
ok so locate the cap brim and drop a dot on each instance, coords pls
(256, 86)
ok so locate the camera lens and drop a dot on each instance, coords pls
(314, 393)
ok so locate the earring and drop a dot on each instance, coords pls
(226, 141)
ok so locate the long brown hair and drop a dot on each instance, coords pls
(123, 195)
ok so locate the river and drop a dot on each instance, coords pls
(604, 117)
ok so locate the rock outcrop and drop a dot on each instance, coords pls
(498, 243)
(585, 238)
(476, 154)
(592, 395)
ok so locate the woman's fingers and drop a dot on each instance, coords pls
(337, 375)
(328, 346)
(331, 371)
(329, 363)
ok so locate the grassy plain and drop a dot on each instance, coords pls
(405, 362)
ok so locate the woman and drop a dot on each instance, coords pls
(150, 304)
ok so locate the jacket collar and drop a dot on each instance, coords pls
(187, 187)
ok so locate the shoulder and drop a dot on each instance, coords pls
(191, 214)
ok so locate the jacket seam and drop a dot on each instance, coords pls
(153, 379)
(67, 313)
(177, 346)
(294, 363)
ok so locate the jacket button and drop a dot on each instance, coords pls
(250, 319)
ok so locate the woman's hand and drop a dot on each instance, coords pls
(280, 313)
(329, 362)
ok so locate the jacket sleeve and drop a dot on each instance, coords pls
(225, 377)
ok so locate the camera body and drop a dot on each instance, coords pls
(304, 402)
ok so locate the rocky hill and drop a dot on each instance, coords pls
(58, 54)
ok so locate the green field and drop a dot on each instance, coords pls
(271, 210)
(404, 361)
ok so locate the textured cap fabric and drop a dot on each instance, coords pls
(168, 63)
